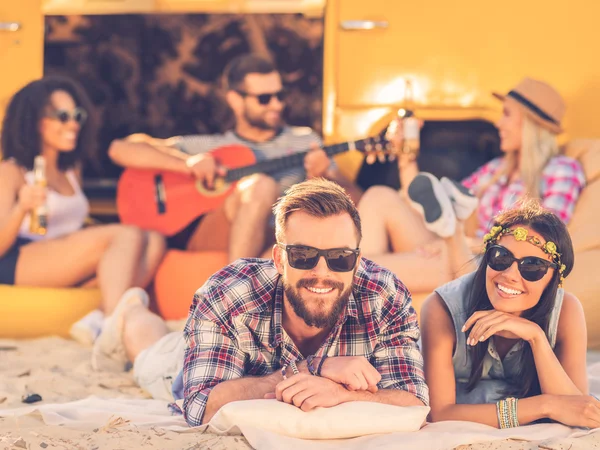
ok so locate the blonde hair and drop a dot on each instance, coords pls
(538, 146)
(317, 197)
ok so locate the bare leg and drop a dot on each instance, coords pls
(141, 329)
(460, 253)
(249, 211)
(437, 263)
(115, 253)
(420, 272)
(154, 251)
(390, 223)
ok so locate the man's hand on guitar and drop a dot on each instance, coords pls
(316, 162)
(204, 168)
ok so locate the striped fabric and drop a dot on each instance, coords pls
(290, 140)
(561, 184)
(235, 330)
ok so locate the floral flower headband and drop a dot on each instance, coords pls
(521, 234)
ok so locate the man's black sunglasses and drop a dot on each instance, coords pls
(531, 268)
(303, 257)
(264, 99)
(79, 115)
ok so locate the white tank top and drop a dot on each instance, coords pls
(66, 213)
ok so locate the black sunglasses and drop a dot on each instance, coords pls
(303, 257)
(264, 99)
(79, 115)
(531, 268)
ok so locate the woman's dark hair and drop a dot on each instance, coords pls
(21, 139)
(528, 213)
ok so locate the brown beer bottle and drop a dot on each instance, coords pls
(39, 216)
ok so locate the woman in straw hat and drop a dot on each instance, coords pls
(412, 223)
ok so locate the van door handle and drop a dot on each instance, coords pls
(362, 25)
(10, 26)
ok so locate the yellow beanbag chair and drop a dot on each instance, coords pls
(28, 312)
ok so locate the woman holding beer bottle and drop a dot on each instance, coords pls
(46, 135)
(420, 233)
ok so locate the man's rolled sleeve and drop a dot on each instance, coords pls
(210, 358)
(396, 356)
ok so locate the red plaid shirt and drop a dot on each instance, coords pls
(235, 330)
(561, 184)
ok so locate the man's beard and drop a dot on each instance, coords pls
(318, 319)
(259, 122)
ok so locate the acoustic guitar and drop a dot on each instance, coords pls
(167, 201)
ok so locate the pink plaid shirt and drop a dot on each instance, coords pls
(562, 182)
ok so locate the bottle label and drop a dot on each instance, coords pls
(411, 128)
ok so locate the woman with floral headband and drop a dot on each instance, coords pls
(433, 251)
(506, 345)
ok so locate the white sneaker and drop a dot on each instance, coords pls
(428, 196)
(108, 352)
(87, 329)
(463, 199)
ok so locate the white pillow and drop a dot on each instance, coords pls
(347, 420)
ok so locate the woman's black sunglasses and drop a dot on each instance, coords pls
(531, 268)
(303, 257)
(79, 115)
(264, 99)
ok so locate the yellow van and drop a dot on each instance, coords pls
(453, 55)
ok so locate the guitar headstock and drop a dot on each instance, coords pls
(377, 148)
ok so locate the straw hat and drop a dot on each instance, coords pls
(540, 101)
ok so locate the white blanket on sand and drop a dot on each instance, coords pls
(95, 412)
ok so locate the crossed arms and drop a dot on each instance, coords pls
(215, 374)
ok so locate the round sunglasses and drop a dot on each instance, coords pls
(79, 115)
(303, 257)
(531, 268)
(264, 99)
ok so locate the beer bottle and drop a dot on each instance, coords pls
(39, 216)
(410, 123)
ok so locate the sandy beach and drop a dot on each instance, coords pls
(59, 371)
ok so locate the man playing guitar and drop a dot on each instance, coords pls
(242, 224)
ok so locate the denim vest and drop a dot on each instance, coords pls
(499, 376)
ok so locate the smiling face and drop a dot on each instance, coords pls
(248, 107)
(508, 291)
(55, 134)
(510, 127)
(319, 295)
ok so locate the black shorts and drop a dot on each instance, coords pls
(8, 261)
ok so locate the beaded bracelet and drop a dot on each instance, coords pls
(507, 413)
(294, 367)
(283, 371)
(310, 364)
(512, 412)
(323, 358)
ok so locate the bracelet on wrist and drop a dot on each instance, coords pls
(192, 160)
(507, 413)
(310, 364)
(294, 367)
(320, 366)
(283, 371)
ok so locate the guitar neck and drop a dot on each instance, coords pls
(292, 161)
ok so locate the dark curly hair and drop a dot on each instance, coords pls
(21, 139)
(531, 214)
